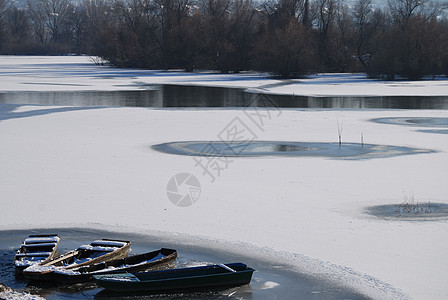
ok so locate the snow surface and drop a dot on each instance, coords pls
(32, 260)
(94, 168)
(10, 294)
(36, 268)
(97, 248)
(67, 73)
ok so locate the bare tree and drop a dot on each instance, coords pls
(292, 9)
(49, 18)
(410, 45)
(327, 11)
(78, 29)
(403, 10)
(100, 18)
(344, 41)
(216, 14)
(98, 12)
(4, 7)
(362, 12)
(18, 33)
(38, 21)
(171, 17)
(280, 13)
(286, 51)
(241, 33)
(229, 32)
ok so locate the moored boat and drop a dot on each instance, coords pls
(36, 249)
(96, 252)
(193, 278)
(136, 263)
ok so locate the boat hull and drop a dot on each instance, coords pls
(36, 249)
(45, 272)
(198, 278)
(137, 263)
(38, 276)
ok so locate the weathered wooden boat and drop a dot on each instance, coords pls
(194, 278)
(36, 249)
(96, 252)
(136, 263)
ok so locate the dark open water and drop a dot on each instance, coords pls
(194, 96)
(270, 281)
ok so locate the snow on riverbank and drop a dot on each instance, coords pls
(78, 166)
(67, 73)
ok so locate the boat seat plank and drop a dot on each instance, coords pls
(38, 240)
(33, 254)
(226, 267)
(39, 245)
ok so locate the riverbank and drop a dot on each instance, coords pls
(79, 73)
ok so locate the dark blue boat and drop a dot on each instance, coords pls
(194, 278)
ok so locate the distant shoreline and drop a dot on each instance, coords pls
(79, 73)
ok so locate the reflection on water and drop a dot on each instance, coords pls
(85, 98)
(270, 281)
(288, 148)
(193, 96)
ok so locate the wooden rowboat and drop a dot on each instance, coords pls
(136, 263)
(96, 252)
(36, 249)
(195, 278)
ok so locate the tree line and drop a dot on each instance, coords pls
(290, 38)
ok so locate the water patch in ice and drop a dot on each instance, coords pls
(421, 211)
(414, 121)
(290, 149)
(437, 131)
(272, 280)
